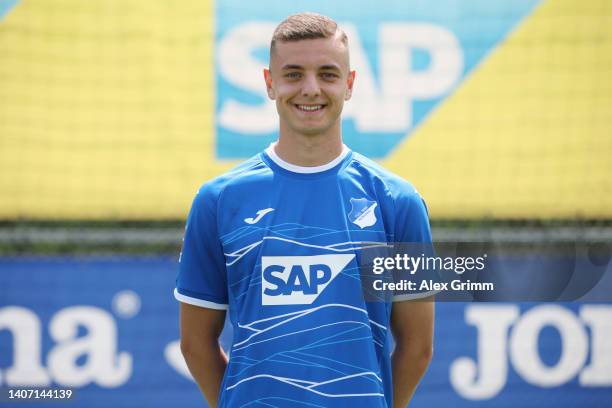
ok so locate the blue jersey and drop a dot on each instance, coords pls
(278, 246)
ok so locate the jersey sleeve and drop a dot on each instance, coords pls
(412, 219)
(412, 228)
(202, 279)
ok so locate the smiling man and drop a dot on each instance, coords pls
(276, 242)
(309, 78)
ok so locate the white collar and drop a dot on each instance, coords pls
(301, 169)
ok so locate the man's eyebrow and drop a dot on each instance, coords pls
(291, 66)
(329, 68)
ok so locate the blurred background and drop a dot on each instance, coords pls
(113, 113)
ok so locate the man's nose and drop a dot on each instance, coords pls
(310, 86)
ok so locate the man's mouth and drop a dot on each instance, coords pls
(310, 108)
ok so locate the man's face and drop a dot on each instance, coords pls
(309, 80)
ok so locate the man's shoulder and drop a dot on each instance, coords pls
(242, 173)
(395, 184)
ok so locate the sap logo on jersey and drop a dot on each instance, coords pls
(298, 280)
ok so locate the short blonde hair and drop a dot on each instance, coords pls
(306, 26)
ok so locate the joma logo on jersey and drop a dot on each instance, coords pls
(298, 280)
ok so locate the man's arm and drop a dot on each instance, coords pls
(200, 330)
(412, 325)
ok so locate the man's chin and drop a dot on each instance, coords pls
(312, 131)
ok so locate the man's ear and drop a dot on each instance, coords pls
(268, 79)
(349, 85)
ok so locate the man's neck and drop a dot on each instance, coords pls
(308, 151)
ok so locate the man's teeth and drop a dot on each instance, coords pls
(310, 108)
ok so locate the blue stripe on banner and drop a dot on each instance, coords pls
(108, 327)
(6, 6)
(409, 57)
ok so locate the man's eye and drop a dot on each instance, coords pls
(292, 75)
(329, 76)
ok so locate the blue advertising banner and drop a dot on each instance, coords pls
(107, 328)
(6, 6)
(409, 56)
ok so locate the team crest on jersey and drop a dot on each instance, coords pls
(362, 212)
(298, 280)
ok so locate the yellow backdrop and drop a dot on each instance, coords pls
(106, 111)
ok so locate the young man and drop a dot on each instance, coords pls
(276, 241)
